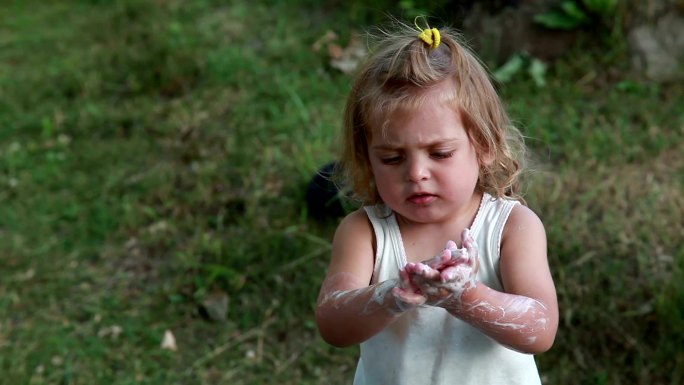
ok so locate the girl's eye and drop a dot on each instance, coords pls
(391, 160)
(442, 154)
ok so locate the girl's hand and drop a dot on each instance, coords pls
(442, 280)
(406, 293)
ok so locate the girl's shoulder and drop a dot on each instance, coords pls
(353, 247)
(515, 212)
(523, 232)
(355, 226)
(523, 217)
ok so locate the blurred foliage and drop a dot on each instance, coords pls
(536, 69)
(572, 14)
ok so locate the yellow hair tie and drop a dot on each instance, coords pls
(431, 37)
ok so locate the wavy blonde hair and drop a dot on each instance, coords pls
(397, 75)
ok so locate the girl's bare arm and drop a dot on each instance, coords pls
(349, 310)
(525, 316)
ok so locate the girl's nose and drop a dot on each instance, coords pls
(418, 170)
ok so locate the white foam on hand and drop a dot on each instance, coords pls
(444, 278)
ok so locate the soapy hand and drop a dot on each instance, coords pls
(406, 293)
(443, 279)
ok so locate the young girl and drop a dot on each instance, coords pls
(430, 151)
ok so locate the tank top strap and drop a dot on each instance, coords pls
(390, 256)
(487, 230)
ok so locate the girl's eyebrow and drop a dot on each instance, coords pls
(384, 147)
(436, 143)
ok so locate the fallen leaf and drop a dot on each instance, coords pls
(348, 58)
(112, 331)
(169, 341)
(335, 51)
(215, 305)
(327, 38)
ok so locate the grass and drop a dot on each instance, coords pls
(156, 153)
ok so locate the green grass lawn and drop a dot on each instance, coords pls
(155, 154)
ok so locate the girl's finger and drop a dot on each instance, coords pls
(458, 256)
(408, 297)
(439, 261)
(448, 274)
(470, 245)
(407, 282)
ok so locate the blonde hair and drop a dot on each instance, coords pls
(398, 75)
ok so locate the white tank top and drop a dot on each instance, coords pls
(427, 345)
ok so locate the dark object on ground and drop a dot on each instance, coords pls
(323, 195)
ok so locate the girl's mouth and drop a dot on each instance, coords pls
(422, 198)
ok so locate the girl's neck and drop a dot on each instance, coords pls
(448, 229)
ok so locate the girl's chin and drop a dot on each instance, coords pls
(420, 215)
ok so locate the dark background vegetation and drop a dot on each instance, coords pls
(154, 158)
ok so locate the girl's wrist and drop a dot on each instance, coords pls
(472, 293)
(393, 298)
(465, 300)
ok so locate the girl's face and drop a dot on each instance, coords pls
(424, 165)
